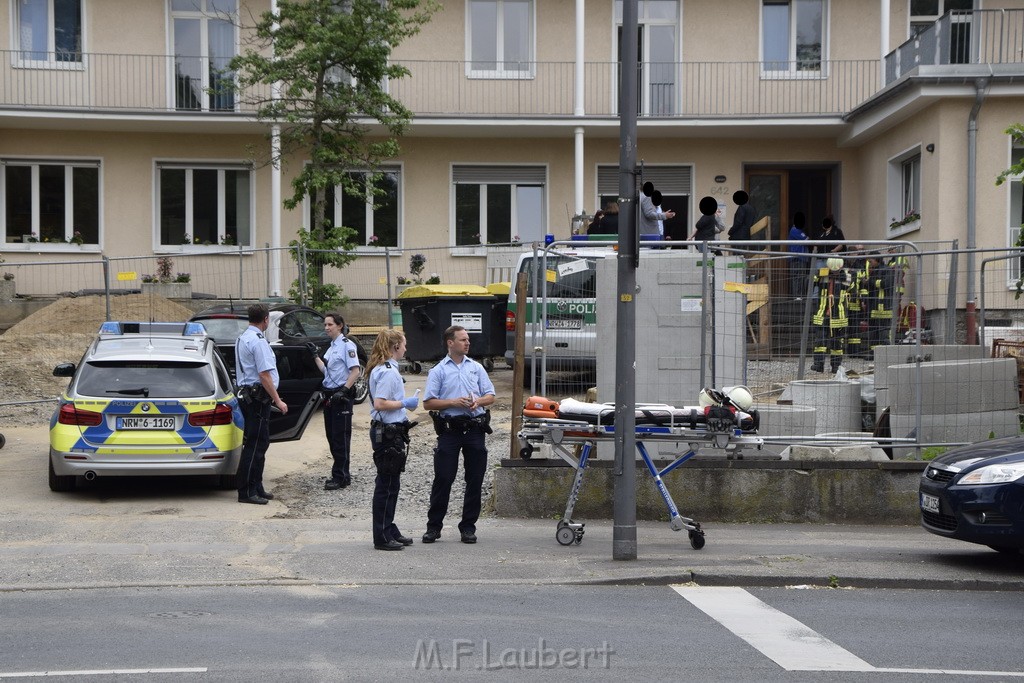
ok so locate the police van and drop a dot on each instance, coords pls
(561, 310)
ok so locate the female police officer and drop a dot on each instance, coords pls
(341, 370)
(389, 435)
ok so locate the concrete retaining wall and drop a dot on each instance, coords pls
(724, 491)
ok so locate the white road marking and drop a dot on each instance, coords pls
(786, 641)
(102, 672)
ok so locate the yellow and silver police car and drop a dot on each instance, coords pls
(147, 399)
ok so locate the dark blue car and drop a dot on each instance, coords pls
(975, 493)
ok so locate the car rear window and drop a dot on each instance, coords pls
(146, 379)
(224, 329)
(567, 277)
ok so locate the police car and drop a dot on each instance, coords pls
(147, 399)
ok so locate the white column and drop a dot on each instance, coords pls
(275, 192)
(578, 170)
(578, 109)
(275, 213)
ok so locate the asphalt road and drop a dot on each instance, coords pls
(378, 633)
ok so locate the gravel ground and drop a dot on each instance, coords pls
(303, 492)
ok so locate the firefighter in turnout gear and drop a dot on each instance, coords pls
(857, 338)
(882, 294)
(831, 320)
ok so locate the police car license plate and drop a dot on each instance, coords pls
(564, 324)
(929, 503)
(154, 422)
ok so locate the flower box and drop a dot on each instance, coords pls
(168, 290)
(6, 290)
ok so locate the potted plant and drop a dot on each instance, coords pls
(166, 282)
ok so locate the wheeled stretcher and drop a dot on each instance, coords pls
(580, 426)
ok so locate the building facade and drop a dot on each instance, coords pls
(887, 114)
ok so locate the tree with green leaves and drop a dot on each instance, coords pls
(319, 69)
(1016, 132)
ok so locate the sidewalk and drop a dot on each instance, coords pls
(190, 535)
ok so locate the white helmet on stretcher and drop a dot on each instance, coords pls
(739, 396)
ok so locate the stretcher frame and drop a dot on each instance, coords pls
(567, 436)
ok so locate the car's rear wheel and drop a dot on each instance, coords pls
(361, 389)
(227, 482)
(60, 483)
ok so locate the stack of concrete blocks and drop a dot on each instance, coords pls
(887, 356)
(961, 400)
(672, 317)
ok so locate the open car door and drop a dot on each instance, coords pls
(298, 386)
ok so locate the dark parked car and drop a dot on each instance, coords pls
(291, 326)
(976, 494)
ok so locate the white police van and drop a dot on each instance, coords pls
(561, 310)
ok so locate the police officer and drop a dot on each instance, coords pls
(389, 435)
(459, 389)
(341, 370)
(256, 373)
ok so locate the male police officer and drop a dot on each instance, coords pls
(256, 374)
(459, 389)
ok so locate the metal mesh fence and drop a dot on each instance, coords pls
(883, 344)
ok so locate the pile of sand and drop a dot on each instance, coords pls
(62, 332)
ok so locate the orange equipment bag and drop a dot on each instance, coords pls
(538, 406)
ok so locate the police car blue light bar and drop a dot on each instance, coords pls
(121, 327)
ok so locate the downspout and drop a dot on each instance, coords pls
(275, 189)
(980, 88)
(578, 109)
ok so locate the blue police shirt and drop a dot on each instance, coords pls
(340, 358)
(448, 381)
(253, 355)
(386, 383)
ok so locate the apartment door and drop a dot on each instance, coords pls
(780, 192)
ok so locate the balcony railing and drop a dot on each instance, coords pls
(986, 36)
(111, 83)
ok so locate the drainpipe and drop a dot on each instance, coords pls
(884, 29)
(578, 108)
(980, 87)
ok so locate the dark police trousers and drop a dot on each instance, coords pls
(385, 499)
(446, 466)
(338, 427)
(255, 442)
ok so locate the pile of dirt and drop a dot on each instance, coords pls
(57, 333)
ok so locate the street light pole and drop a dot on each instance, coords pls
(624, 479)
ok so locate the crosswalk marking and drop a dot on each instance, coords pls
(788, 642)
(778, 636)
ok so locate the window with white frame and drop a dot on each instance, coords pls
(49, 31)
(204, 204)
(1016, 214)
(924, 13)
(204, 39)
(793, 36)
(904, 192)
(498, 204)
(375, 215)
(500, 38)
(50, 201)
